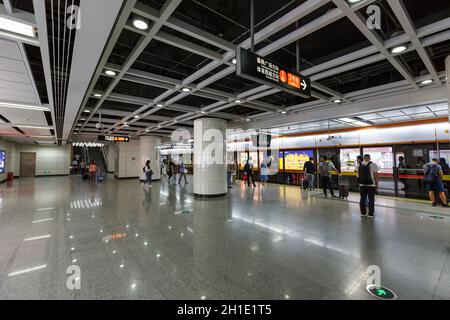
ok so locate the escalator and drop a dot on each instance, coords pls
(97, 155)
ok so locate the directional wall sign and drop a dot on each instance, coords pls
(381, 292)
(259, 69)
(114, 138)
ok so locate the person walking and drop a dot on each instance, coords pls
(248, 170)
(83, 168)
(433, 179)
(148, 174)
(182, 171)
(92, 171)
(163, 169)
(310, 171)
(325, 169)
(230, 170)
(172, 172)
(264, 172)
(368, 184)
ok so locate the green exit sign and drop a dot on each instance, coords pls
(381, 292)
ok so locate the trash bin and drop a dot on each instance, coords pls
(10, 176)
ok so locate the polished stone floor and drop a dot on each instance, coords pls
(272, 242)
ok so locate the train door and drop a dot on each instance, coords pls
(410, 159)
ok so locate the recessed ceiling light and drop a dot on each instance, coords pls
(159, 105)
(398, 49)
(110, 73)
(248, 120)
(17, 27)
(337, 101)
(83, 119)
(147, 130)
(283, 112)
(237, 101)
(79, 125)
(354, 1)
(203, 112)
(186, 89)
(136, 117)
(87, 111)
(234, 61)
(126, 126)
(175, 121)
(140, 23)
(428, 81)
(97, 95)
(159, 126)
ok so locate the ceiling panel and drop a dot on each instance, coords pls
(36, 132)
(393, 113)
(416, 110)
(9, 49)
(423, 116)
(21, 116)
(370, 116)
(438, 107)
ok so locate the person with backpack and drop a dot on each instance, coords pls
(433, 180)
(368, 184)
(148, 173)
(310, 171)
(325, 169)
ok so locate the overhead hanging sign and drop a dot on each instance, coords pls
(259, 69)
(114, 138)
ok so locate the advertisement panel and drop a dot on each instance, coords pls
(383, 157)
(295, 159)
(348, 159)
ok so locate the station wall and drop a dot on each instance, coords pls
(50, 160)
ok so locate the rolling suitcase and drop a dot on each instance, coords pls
(100, 177)
(343, 189)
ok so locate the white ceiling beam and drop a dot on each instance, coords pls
(324, 20)
(358, 21)
(285, 21)
(183, 27)
(166, 11)
(403, 17)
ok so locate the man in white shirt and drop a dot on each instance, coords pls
(368, 184)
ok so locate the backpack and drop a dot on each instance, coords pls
(324, 169)
(431, 174)
(364, 176)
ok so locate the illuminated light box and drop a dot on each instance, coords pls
(2, 161)
(114, 138)
(295, 159)
(262, 70)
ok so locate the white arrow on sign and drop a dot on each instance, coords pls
(304, 85)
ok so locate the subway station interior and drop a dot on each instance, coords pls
(208, 150)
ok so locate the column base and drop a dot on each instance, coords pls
(208, 196)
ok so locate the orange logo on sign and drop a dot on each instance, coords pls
(283, 76)
(293, 80)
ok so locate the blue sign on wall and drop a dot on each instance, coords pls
(2, 161)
